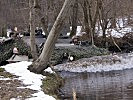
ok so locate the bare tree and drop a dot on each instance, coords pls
(41, 63)
(38, 11)
(104, 18)
(74, 19)
(90, 11)
(86, 18)
(32, 30)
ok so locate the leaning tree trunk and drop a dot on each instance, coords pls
(32, 31)
(41, 63)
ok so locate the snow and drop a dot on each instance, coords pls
(78, 31)
(5, 79)
(121, 29)
(18, 58)
(32, 80)
(126, 63)
(119, 32)
(68, 34)
(8, 32)
(49, 70)
(43, 33)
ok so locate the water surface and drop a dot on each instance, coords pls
(113, 85)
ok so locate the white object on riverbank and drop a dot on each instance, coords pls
(31, 79)
(49, 70)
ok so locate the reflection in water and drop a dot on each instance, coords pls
(113, 85)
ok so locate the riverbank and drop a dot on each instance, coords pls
(77, 52)
(127, 60)
(52, 83)
(98, 63)
(57, 57)
(10, 87)
(20, 83)
(6, 49)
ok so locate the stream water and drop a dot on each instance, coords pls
(112, 85)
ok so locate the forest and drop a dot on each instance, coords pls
(67, 37)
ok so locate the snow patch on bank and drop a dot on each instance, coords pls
(32, 80)
(121, 29)
(4, 79)
(49, 70)
(126, 63)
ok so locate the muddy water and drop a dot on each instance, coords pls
(113, 85)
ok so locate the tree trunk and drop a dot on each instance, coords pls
(41, 63)
(90, 19)
(93, 20)
(113, 20)
(37, 8)
(104, 38)
(74, 19)
(115, 42)
(86, 21)
(103, 22)
(32, 31)
(44, 26)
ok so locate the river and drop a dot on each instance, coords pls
(104, 85)
(113, 85)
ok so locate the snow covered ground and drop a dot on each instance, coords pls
(126, 62)
(32, 80)
(78, 31)
(121, 29)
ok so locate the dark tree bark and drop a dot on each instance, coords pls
(32, 31)
(37, 8)
(74, 19)
(86, 18)
(104, 20)
(41, 63)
